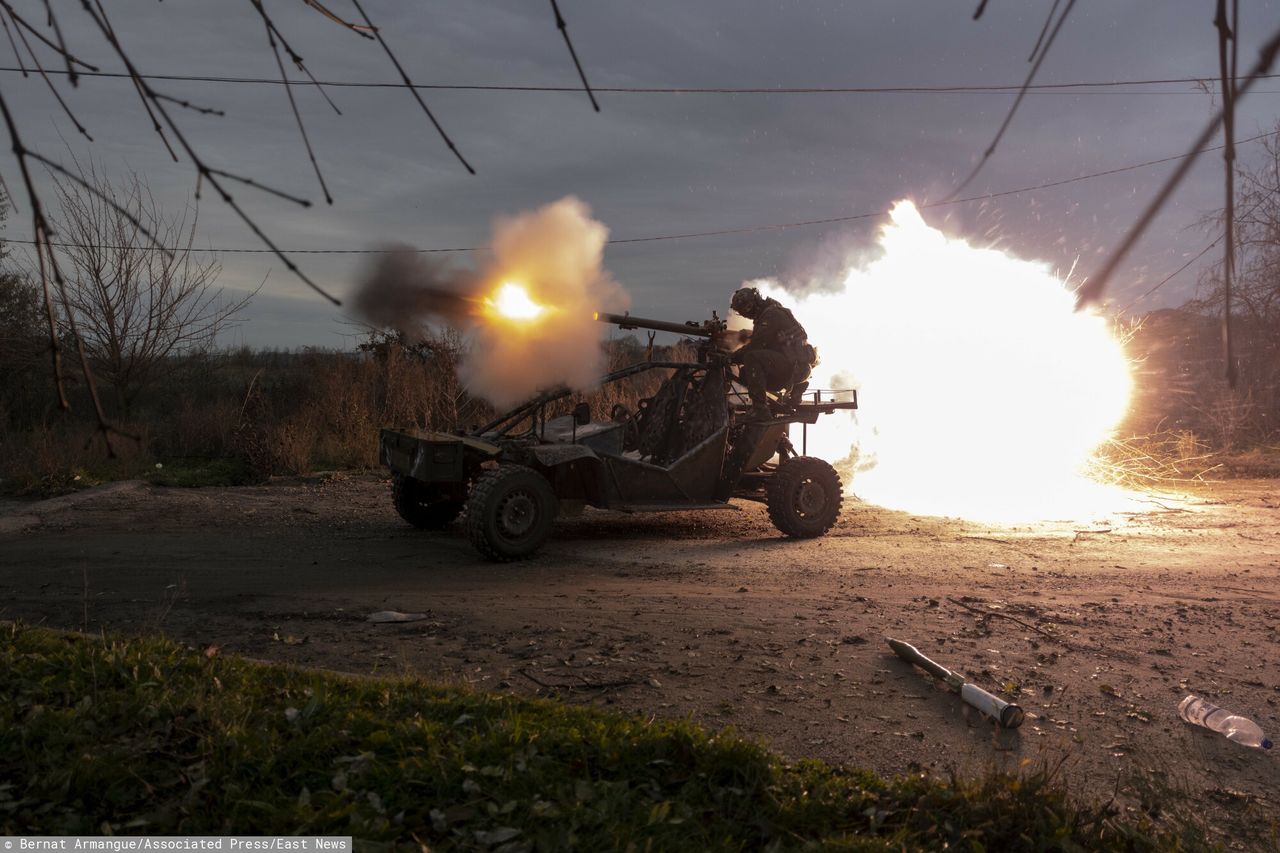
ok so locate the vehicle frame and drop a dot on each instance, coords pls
(693, 445)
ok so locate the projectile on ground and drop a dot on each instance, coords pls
(1008, 715)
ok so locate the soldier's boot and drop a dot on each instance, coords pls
(753, 377)
(796, 394)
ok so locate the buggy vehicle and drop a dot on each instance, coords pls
(691, 446)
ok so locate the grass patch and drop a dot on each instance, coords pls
(1257, 462)
(142, 736)
(1180, 458)
(180, 473)
(199, 473)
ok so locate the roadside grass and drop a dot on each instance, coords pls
(141, 736)
(1260, 462)
(191, 472)
(1179, 459)
(202, 473)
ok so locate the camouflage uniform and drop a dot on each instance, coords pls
(778, 355)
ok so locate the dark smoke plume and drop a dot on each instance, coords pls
(406, 291)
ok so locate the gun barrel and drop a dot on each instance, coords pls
(626, 321)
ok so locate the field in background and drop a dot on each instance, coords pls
(227, 418)
(231, 417)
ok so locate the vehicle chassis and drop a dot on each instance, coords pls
(692, 446)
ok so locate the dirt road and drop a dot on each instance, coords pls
(1099, 630)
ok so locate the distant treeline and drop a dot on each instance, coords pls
(279, 412)
(270, 412)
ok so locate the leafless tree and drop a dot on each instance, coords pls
(23, 341)
(136, 309)
(24, 382)
(1255, 289)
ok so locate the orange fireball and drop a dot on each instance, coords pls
(511, 301)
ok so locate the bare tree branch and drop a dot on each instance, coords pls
(250, 182)
(202, 168)
(1043, 30)
(294, 57)
(564, 31)
(55, 351)
(41, 230)
(62, 43)
(1008, 119)
(16, 53)
(363, 32)
(35, 60)
(185, 104)
(293, 105)
(134, 309)
(58, 47)
(408, 84)
(64, 171)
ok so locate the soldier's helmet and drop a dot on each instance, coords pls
(746, 301)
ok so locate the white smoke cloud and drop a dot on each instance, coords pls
(555, 255)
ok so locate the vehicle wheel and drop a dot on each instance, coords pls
(804, 497)
(510, 512)
(424, 505)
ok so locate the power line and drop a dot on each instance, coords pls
(721, 232)
(1092, 290)
(1162, 282)
(1043, 88)
(1170, 277)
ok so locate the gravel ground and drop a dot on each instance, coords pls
(1098, 630)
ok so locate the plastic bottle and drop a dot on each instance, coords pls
(1242, 730)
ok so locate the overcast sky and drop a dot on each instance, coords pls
(655, 164)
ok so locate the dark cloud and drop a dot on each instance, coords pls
(653, 164)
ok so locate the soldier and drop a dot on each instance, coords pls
(777, 356)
